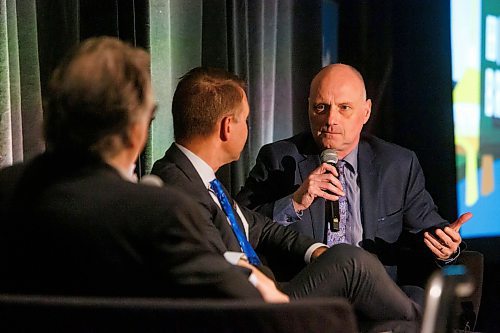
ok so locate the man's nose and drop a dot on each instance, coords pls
(333, 116)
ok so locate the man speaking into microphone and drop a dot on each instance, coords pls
(383, 204)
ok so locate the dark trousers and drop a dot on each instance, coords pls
(353, 273)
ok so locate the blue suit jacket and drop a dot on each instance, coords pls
(395, 207)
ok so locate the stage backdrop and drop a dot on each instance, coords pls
(476, 110)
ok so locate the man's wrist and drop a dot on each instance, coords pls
(450, 259)
(319, 251)
(297, 207)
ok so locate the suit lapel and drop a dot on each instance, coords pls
(369, 171)
(316, 211)
(219, 218)
(175, 155)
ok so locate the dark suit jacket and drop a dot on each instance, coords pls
(395, 207)
(268, 238)
(76, 227)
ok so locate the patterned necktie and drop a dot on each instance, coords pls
(247, 248)
(339, 236)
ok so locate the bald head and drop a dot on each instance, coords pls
(338, 108)
(339, 72)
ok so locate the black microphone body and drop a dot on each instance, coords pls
(332, 211)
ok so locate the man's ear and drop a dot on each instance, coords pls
(225, 128)
(137, 135)
(368, 110)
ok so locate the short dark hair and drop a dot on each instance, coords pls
(94, 94)
(203, 96)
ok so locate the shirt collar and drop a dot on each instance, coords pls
(351, 159)
(205, 171)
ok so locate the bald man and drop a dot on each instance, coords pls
(380, 187)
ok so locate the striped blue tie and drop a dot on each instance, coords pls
(247, 248)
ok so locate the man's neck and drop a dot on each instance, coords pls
(124, 164)
(206, 149)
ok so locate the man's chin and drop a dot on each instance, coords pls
(329, 144)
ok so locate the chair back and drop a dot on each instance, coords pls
(38, 313)
(444, 290)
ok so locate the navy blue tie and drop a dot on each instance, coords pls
(247, 248)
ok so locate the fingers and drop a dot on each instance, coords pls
(453, 234)
(322, 182)
(460, 221)
(445, 242)
(326, 168)
(267, 288)
(324, 177)
(327, 184)
(439, 250)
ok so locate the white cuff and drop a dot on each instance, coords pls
(253, 280)
(233, 257)
(310, 250)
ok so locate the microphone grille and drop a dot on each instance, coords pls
(329, 156)
(152, 180)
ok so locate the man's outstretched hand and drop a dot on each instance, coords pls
(445, 242)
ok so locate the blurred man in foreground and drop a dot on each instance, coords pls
(72, 220)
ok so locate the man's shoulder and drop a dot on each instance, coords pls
(172, 175)
(381, 147)
(168, 168)
(297, 144)
(9, 179)
(12, 172)
(166, 161)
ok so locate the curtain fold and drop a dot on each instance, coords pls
(254, 31)
(276, 46)
(20, 97)
(34, 36)
(31, 96)
(14, 85)
(6, 153)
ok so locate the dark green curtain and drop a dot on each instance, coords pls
(34, 36)
(175, 29)
(20, 95)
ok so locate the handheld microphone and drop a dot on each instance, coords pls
(151, 180)
(332, 207)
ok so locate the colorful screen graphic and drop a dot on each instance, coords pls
(475, 30)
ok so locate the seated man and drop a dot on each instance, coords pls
(210, 110)
(72, 220)
(379, 186)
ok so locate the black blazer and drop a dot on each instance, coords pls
(395, 207)
(78, 228)
(268, 238)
